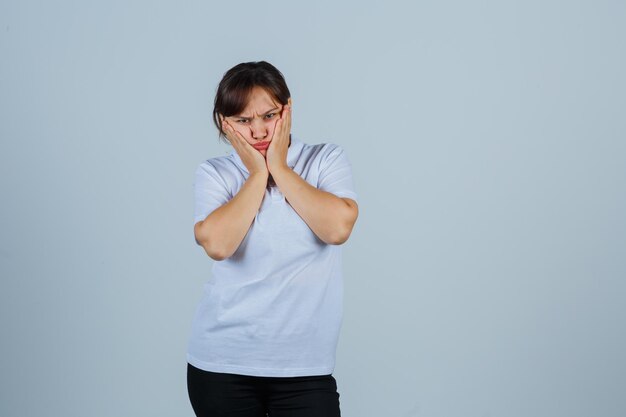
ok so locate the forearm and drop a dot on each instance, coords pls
(221, 233)
(328, 216)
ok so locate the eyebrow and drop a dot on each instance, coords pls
(263, 114)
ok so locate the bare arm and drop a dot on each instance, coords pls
(221, 233)
(330, 217)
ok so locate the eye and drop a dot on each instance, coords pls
(242, 120)
(271, 115)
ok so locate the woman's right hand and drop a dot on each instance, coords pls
(252, 158)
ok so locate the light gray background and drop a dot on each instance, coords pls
(484, 277)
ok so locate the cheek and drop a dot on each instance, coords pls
(271, 126)
(244, 132)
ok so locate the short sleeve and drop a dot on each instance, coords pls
(335, 174)
(210, 191)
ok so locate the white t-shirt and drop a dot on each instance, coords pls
(275, 307)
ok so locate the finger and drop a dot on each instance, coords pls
(277, 129)
(288, 119)
(228, 130)
(224, 123)
(234, 135)
(289, 107)
(231, 131)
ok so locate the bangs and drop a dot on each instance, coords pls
(235, 98)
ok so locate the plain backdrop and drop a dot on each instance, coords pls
(485, 275)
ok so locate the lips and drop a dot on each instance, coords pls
(262, 145)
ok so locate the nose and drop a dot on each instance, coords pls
(259, 130)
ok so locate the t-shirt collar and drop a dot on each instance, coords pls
(293, 151)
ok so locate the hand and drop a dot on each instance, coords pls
(276, 156)
(252, 158)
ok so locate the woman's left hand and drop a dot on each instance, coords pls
(276, 156)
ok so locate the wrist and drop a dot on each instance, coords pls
(260, 176)
(278, 169)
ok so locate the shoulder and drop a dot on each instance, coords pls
(223, 169)
(323, 151)
(324, 146)
(221, 165)
(324, 157)
(332, 154)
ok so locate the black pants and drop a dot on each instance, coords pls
(214, 394)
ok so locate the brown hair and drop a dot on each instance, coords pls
(234, 90)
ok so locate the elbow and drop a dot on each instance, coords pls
(217, 254)
(343, 232)
(341, 236)
(213, 252)
(339, 241)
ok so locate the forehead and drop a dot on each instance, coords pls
(260, 100)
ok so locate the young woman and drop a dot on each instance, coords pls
(272, 215)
